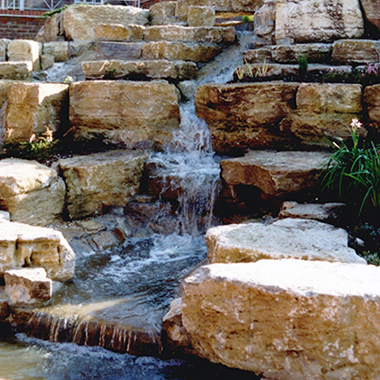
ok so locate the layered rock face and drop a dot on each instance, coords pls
(322, 327)
(372, 11)
(115, 110)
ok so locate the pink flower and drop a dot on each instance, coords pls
(356, 124)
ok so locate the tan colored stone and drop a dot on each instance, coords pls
(264, 21)
(52, 29)
(119, 50)
(119, 32)
(356, 51)
(58, 49)
(214, 35)
(3, 49)
(180, 51)
(313, 52)
(25, 50)
(290, 238)
(313, 21)
(163, 13)
(286, 319)
(101, 180)
(24, 245)
(79, 22)
(371, 100)
(27, 286)
(31, 192)
(275, 173)
(4, 307)
(200, 16)
(16, 70)
(155, 69)
(47, 61)
(372, 11)
(124, 111)
(33, 108)
(4, 88)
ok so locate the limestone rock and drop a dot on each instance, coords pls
(52, 29)
(264, 21)
(372, 11)
(276, 174)
(372, 103)
(16, 70)
(119, 32)
(3, 49)
(4, 88)
(275, 70)
(25, 50)
(180, 51)
(313, 21)
(155, 69)
(356, 51)
(118, 50)
(101, 180)
(286, 319)
(4, 306)
(47, 61)
(163, 13)
(58, 49)
(200, 16)
(24, 245)
(33, 108)
(260, 55)
(123, 111)
(314, 52)
(187, 88)
(285, 239)
(27, 286)
(79, 22)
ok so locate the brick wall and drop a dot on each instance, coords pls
(20, 24)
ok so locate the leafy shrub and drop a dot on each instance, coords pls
(302, 65)
(247, 18)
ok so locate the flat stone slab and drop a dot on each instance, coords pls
(24, 245)
(275, 173)
(155, 69)
(356, 51)
(16, 70)
(285, 239)
(118, 50)
(287, 319)
(27, 286)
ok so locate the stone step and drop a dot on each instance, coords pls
(138, 33)
(172, 51)
(155, 69)
(286, 319)
(16, 70)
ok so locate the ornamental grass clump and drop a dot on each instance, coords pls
(354, 171)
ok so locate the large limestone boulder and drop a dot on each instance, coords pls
(101, 180)
(313, 21)
(286, 319)
(285, 239)
(356, 51)
(16, 70)
(58, 49)
(25, 50)
(200, 16)
(79, 22)
(35, 108)
(23, 245)
(119, 32)
(242, 116)
(163, 13)
(324, 110)
(52, 29)
(27, 286)
(123, 111)
(372, 11)
(31, 192)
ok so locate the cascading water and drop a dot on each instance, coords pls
(119, 297)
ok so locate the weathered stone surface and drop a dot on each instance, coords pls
(119, 32)
(4, 88)
(372, 11)
(27, 286)
(123, 111)
(324, 110)
(285, 239)
(187, 88)
(101, 180)
(163, 13)
(314, 53)
(52, 29)
(214, 35)
(200, 16)
(58, 49)
(16, 70)
(180, 51)
(119, 50)
(3, 49)
(24, 245)
(31, 192)
(47, 61)
(356, 51)
(286, 319)
(264, 21)
(155, 69)
(4, 306)
(260, 55)
(371, 100)
(313, 21)
(25, 50)
(316, 211)
(79, 22)
(275, 173)
(33, 108)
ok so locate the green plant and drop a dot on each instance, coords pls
(47, 15)
(302, 65)
(354, 170)
(247, 18)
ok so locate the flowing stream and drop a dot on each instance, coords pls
(118, 298)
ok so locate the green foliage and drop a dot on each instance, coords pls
(47, 15)
(302, 65)
(354, 170)
(247, 18)
(368, 76)
(371, 258)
